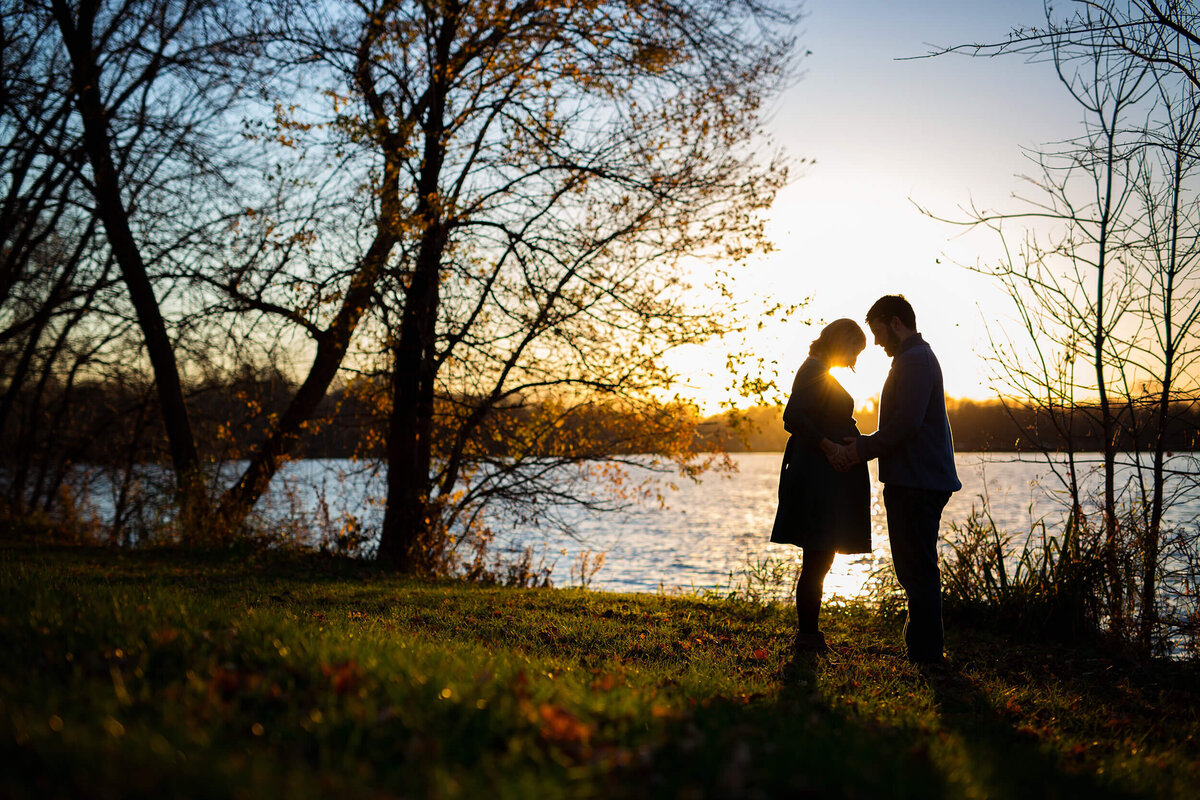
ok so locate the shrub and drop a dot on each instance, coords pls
(1051, 585)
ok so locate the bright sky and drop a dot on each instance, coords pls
(886, 133)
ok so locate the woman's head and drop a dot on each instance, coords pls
(839, 344)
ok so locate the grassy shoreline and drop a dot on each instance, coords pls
(171, 673)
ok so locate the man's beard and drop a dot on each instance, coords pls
(891, 342)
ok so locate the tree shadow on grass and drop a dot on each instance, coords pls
(1088, 694)
(802, 743)
(793, 744)
(1006, 759)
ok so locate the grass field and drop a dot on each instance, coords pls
(168, 674)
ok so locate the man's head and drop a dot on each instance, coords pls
(891, 320)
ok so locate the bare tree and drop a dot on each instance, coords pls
(118, 55)
(205, 225)
(549, 168)
(514, 198)
(1107, 273)
(1168, 282)
(54, 278)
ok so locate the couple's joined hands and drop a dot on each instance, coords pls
(841, 456)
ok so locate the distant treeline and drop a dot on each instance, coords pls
(978, 426)
(115, 424)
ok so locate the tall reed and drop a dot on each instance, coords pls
(1041, 582)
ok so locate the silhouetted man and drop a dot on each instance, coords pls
(916, 465)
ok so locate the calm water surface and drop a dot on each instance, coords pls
(716, 527)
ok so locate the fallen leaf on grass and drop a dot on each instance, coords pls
(226, 681)
(560, 725)
(164, 636)
(605, 682)
(343, 677)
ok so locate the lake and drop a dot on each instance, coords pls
(713, 528)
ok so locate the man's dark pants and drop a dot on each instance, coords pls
(913, 517)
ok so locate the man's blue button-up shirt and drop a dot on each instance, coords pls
(913, 443)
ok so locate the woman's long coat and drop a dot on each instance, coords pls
(820, 507)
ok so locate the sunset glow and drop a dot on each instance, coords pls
(889, 133)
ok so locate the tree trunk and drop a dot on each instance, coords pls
(1154, 529)
(412, 517)
(110, 207)
(237, 502)
(411, 533)
(1149, 599)
(1111, 545)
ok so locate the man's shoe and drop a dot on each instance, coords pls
(939, 665)
(810, 644)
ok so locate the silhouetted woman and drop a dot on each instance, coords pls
(821, 510)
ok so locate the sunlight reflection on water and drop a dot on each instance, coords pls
(712, 529)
